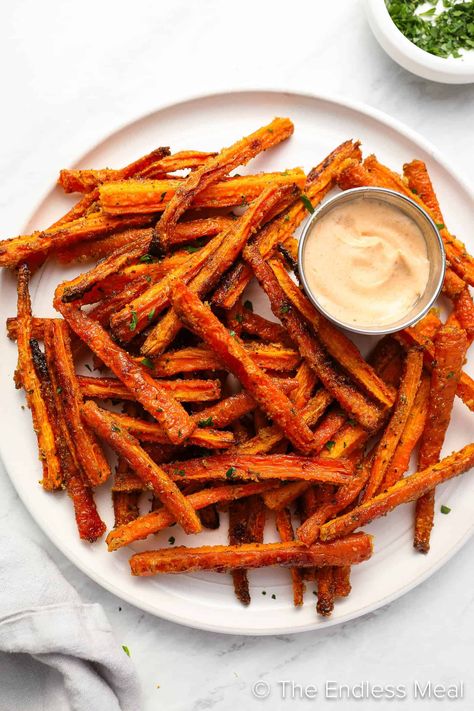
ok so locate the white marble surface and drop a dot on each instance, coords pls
(73, 72)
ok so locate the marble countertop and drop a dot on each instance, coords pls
(74, 72)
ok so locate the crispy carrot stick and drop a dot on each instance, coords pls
(272, 200)
(153, 432)
(89, 524)
(269, 397)
(408, 489)
(216, 168)
(386, 357)
(326, 590)
(140, 197)
(318, 183)
(40, 244)
(155, 163)
(285, 531)
(260, 467)
(342, 580)
(153, 476)
(348, 551)
(89, 452)
(450, 349)
(156, 521)
(51, 466)
(410, 435)
(154, 398)
(405, 398)
(246, 525)
(125, 507)
(335, 381)
(464, 310)
(267, 331)
(339, 346)
(181, 390)
(189, 360)
(420, 183)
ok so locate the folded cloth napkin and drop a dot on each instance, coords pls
(56, 653)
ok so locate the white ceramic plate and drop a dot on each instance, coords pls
(206, 600)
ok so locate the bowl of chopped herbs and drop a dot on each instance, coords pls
(431, 38)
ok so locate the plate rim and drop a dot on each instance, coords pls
(129, 596)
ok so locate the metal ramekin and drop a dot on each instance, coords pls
(434, 245)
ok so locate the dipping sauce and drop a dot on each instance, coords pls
(366, 262)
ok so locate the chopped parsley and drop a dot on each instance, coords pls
(126, 650)
(206, 422)
(443, 33)
(445, 509)
(147, 362)
(133, 321)
(151, 314)
(59, 390)
(440, 226)
(190, 249)
(285, 308)
(232, 333)
(329, 445)
(230, 473)
(146, 259)
(115, 428)
(307, 202)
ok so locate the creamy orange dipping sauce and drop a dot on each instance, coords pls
(366, 263)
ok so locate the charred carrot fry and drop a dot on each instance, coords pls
(387, 358)
(40, 244)
(450, 349)
(326, 590)
(51, 466)
(318, 183)
(464, 310)
(89, 452)
(158, 520)
(306, 380)
(348, 551)
(342, 580)
(256, 467)
(267, 331)
(408, 489)
(285, 531)
(405, 398)
(272, 200)
(83, 181)
(181, 390)
(154, 398)
(246, 525)
(140, 197)
(269, 397)
(410, 435)
(153, 432)
(189, 360)
(335, 381)
(125, 507)
(153, 476)
(216, 168)
(339, 346)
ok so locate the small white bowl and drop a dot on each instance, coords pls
(447, 70)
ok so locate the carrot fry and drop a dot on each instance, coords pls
(256, 467)
(139, 197)
(153, 432)
(272, 200)
(450, 349)
(216, 168)
(410, 435)
(48, 454)
(40, 244)
(246, 525)
(405, 490)
(125, 507)
(318, 183)
(405, 398)
(464, 310)
(181, 390)
(267, 331)
(269, 397)
(342, 580)
(336, 382)
(89, 452)
(348, 551)
(420, 184)
(189, 360)
(285, 531)
(326, 590)
(158, 520)
(339, 346)
(154, 398)
(153, 476)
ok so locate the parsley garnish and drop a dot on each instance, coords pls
(147, 362)
(146, 259)
(307, 202)
(59, 390)
(190, 249)
(230, 473)
(207, 422)
(126, 650)
(133, 321)
(232, 333)
(440, 226)
(115, 428)
(285, 308)
(151, 314)
(445, 509)
(329, 445)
